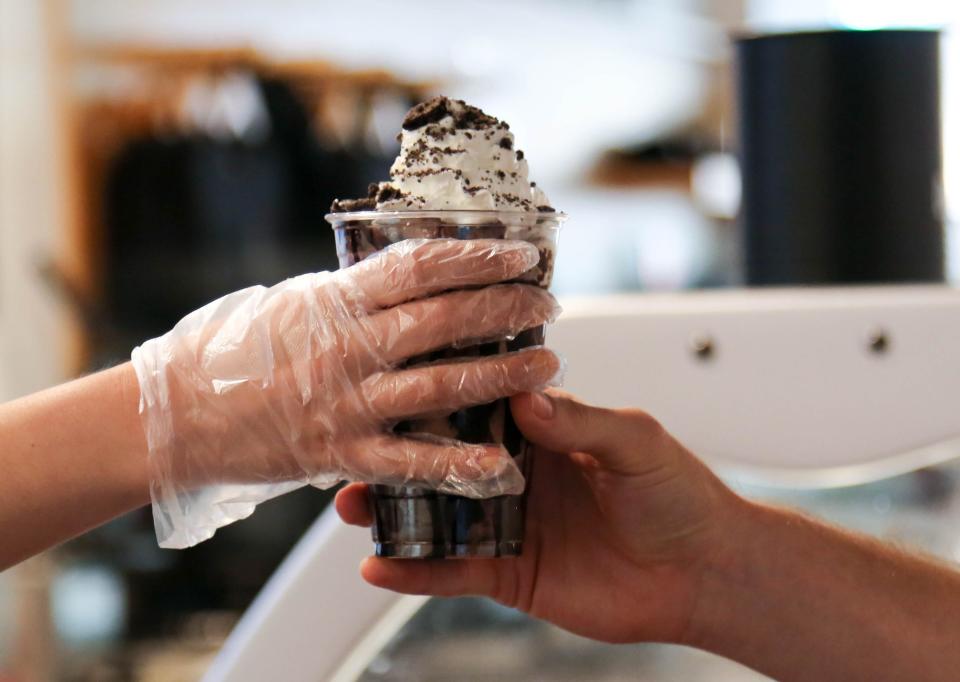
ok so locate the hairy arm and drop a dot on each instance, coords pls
(802, 601)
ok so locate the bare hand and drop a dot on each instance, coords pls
(621, 520)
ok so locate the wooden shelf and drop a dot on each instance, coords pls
(191, 60)
(621, 172)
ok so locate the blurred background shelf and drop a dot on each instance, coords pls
(201, 171)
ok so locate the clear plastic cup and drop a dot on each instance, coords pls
(411, 522)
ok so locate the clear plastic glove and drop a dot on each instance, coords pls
(269, 389)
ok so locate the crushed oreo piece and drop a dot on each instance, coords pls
(546, 209)
(519, 155)
(424, 172)
(388, 193)
(430, 111)
(436, 132)
(466, 116)
(415, 155)
(506, 143)
(351, 205)
(367, 203)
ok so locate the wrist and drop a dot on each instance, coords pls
(129, 439)
(725, 572)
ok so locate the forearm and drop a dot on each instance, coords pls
(73, 457)
(801, 601)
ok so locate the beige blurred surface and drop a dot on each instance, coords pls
(33, 212)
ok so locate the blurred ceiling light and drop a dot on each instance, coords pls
(227, 107)
(88, 604)
(673, 242)
(715, 183)
(386, 113)
(338, 116)
(789, 15)
(870, 15)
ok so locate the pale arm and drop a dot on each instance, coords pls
(292, 384)
(72, 458)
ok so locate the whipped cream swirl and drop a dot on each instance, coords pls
(453, 156)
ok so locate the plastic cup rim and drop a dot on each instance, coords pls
(472, 214)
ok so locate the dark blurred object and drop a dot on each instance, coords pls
(191, 217)
(197, 171)
(841, 157)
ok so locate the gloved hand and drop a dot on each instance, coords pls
(269, 389)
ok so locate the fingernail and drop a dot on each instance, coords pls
(493, 465)
(544, 364)
(557, 379)
(542, 406)
(492, 476)
(504, 478)
(555, 311)
(525, 255)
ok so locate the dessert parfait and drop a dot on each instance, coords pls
(458, 176)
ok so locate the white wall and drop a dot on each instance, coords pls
(542, 65)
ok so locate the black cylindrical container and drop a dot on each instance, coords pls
(840, 153)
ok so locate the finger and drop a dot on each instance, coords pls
(447, 465)
(459, 317)
(627, 441)
(478, 577)
(421, 267)
(353, 504)
(444, 388)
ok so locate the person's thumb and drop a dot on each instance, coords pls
(627, 441)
